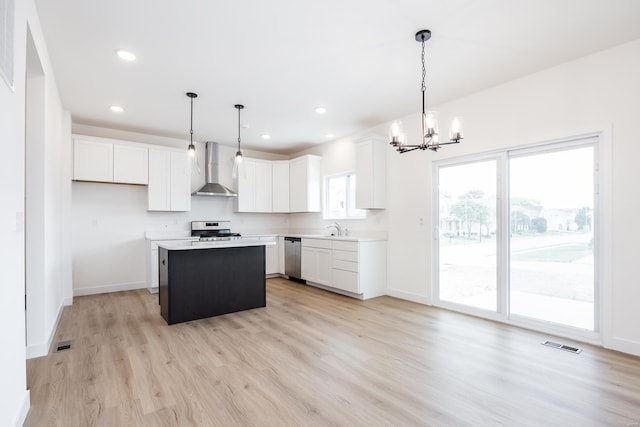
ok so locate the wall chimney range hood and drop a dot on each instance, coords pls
(212, 175)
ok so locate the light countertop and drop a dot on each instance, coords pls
(180, 246)
(341, 238)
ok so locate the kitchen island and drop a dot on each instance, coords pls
(203, 279)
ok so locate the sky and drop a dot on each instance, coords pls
(558, 179)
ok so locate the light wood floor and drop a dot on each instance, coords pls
(313, 358)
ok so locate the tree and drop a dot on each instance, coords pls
(539, 224)
(471, 210)
(520, 221)
(582, 219)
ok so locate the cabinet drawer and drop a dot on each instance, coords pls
(345, 255)
(346, 246)
(317, 243)
(346, 280)
(345, 265)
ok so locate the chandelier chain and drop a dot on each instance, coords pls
(424, 70)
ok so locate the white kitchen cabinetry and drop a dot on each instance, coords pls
(371, 173)
(316, 261)
(280, 254)
(104, 160)
(92, 160)
(130, 164)
(304, 180)
(169, 181)
(353, 268)
(280, 186)
(255, 186)
(271, 256)
(360, 267)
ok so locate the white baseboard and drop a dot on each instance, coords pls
(109, 288)
(21, 417)
(42, 349)
(623, 345)
(421, 299)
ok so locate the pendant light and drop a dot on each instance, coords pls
(191, 148)
(237, 163)
(429, 120)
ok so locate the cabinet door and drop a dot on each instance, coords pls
(180, 182)
(263, 186)
(281, 187)
(304, 184)
(246, 200)
(92, 161)
(281, 255)
(324, 266)
(271, 255)
(371, 158)
(159, 189)
(309, 264)
(130, 164)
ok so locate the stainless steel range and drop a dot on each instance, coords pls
(211, 231)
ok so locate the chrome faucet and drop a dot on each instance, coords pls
(337, 227)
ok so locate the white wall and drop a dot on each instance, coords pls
(598, 93)
(55, 279)
(109, 220)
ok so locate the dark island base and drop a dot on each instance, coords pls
(199, 283)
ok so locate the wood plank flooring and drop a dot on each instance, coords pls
(313, 358)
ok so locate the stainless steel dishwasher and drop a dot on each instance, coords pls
(292, 249)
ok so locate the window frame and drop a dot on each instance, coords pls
(348, 207)
(602, 263)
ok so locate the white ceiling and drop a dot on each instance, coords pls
(282, 58)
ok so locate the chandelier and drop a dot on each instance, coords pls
(429, 120)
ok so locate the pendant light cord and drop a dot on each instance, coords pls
(191, 129)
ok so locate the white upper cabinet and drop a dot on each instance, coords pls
(104, 160)
(169, 181)
(264, 187)
(255, 186)
(280, 186)
(130, 164)
(304, 180)
(92, 160)
(180, 181)
(371, 173)
(159, 191)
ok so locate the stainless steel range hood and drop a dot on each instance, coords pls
(212, 171)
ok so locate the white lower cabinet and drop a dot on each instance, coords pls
(355, 268)
(152, 262)
(272, 262)
(316, 261)
(280, 254)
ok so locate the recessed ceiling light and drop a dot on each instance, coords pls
(320, 109)
(116, 109)
(265, 136)
(126, 55)
(329, 135)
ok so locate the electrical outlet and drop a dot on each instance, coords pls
(420, 222)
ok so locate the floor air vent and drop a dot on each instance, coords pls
(562, 347)
(63, 345)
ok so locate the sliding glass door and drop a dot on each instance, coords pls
(516, 234)
(467, 223)
(551, 248)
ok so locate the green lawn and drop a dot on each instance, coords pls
(562, 253)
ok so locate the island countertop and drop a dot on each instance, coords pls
(180, 246)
